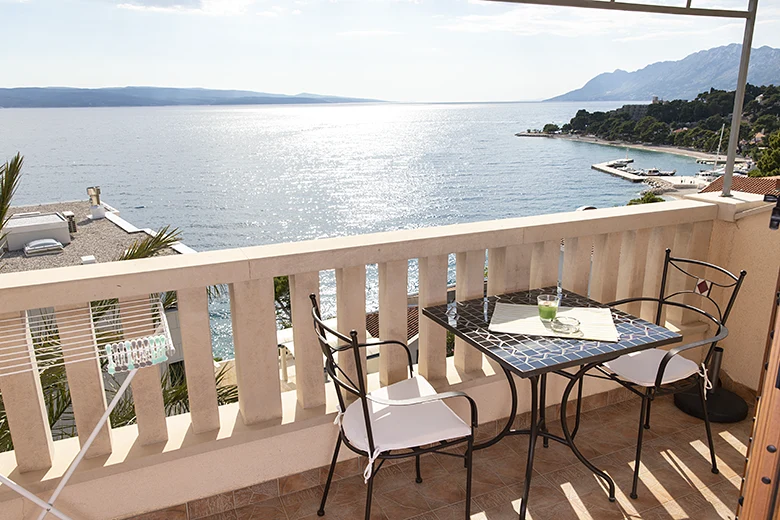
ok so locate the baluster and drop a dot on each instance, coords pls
(198, 358)
(576, 264)
(253, 315)
(351, 315)
(631, 271)
(138, 321)
(393, 278)
(676, 280)
(518, 267)
(661, 238)
(22, 395)
(309, 378)
(85, 377)
(432, 340)
(497, 271)
(545, 259)
(698, 250)
(606, 257)
(469, 284)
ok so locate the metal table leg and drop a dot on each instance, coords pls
(577, 377)
(538, 427)
(534, 431)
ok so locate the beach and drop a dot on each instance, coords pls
(687, 152)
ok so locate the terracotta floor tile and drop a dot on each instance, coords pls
(575, 480)
(303, 503)
(271, 509)
(348, 490)
(344, 469)
(399, 475)
(227, 515)
(426, 516)
(352, 511)
(210, 505)
(484, 478)
(442, 491)
(452, 512)
(402, 503)
(299, 482)
(510, 468)
(557, 456)
(257, 493)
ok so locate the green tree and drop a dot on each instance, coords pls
(282, 301)
(647, 197)
(656, 133)
(643, 125)
(550, 128)
(767, 123)
(769, 162)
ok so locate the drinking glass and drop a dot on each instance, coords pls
(548, 306)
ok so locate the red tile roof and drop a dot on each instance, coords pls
(757, 185)
(412, 322)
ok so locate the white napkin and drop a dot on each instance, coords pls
(595, 323)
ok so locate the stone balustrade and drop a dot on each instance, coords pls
(610, 253)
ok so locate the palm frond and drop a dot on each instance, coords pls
(10, 174)
(152, 245)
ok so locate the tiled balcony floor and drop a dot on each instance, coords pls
(676, 481)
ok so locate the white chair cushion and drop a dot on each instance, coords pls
(399, 427)
(642, 367)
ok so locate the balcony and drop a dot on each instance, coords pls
(262, 457)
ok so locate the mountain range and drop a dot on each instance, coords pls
(49, 97)
(683, 79)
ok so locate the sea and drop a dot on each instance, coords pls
(250, 175)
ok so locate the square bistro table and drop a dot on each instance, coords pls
(533, 357)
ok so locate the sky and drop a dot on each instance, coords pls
(400, 50)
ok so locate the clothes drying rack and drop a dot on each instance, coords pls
(134, 334)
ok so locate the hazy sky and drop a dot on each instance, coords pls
(424, 50)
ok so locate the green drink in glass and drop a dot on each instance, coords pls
(548, 307)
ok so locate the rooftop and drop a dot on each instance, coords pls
(757, 185)
(105, 239)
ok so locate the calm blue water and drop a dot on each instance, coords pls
(237, 176)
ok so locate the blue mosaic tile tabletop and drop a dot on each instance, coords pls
(529, 356)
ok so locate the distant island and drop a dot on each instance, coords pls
(61, 97)
(684, 79)
(697, 124)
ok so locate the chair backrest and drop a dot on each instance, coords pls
(698, 282)
(344, 384)
(702, 286)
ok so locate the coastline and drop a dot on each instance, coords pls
(695, 154)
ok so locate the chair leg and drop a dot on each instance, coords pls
(642, 416)
(647, 418)
(707, 425)
(469, 453)
(417, 467)
(321, 510)
(369, 493)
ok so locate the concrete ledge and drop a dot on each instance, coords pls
(729, 208)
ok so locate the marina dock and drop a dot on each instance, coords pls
(602, 167)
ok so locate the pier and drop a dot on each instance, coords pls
(533, 134)
(602, 167)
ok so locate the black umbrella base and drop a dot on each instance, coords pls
(722, 406)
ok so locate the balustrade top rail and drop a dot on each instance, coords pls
(62, 286)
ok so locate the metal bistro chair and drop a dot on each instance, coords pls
(655, 372)
(405, 419)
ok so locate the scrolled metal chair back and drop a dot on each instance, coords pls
(343, 382)
(702, 287)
